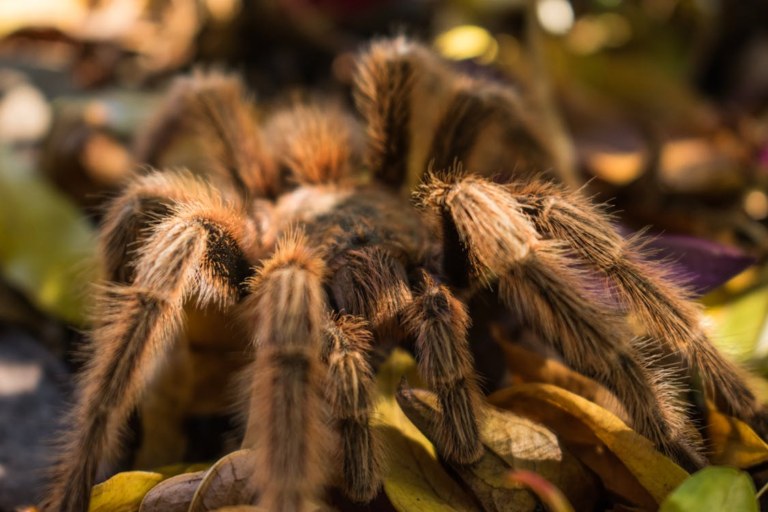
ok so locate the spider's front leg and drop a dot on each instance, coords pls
(372, 283)
(350, 395)
(536, 279)
(196, 250)
(439, 323)
(287, 427)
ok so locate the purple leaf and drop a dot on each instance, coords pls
(702, 264)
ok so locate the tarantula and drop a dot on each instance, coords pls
(321, 259)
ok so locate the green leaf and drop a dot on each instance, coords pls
(741, 323)
(46, 244)
(713, 489)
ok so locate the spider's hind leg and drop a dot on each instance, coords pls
(536, 279)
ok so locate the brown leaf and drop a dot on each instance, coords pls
(528, 366)
(511, 442)
(733, 442)
(174, 494)
(627, 463)
(229, 482)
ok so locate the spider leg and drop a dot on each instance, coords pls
(316, 144)
(420, 112)
(535, 278)
(145, 201)
(216, 108)
(383, 90)
(194, 250)
(286, 424)
(647, 289)
(349, 393)
(439, 324)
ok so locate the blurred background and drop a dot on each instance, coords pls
(658, 106)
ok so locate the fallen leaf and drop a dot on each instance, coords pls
(174, 494)
(229, 482)
(123, 492)
(529, 366)
(627, 462)
(704, 265)
(713, 489)
(740, 324)
(511, 442)
(733, 442)
(415, 480)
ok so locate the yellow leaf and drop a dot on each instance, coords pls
(734, 443)
(124, 491)
(589, 430)
(415, 479)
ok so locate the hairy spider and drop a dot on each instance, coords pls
(322, 259)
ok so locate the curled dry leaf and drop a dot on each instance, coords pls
(528, 366)
(733, 442)
(229, 482)
(174, 494)
(415, 480)
(511, 442)
(627, 462)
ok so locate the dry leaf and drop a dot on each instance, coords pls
(511, 442)
(532, 367)
(229, 482)
(627, 462)
(174, 494)
(124, 491)
(415, 480)
(733, 442)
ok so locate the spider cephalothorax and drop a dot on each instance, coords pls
(323, 259)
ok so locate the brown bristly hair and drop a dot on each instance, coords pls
(651, 291)
(287, 422)
(536, 279)
(350, 393)
(135, 325)
(439, 322)
(316, 144)
(216, 108)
